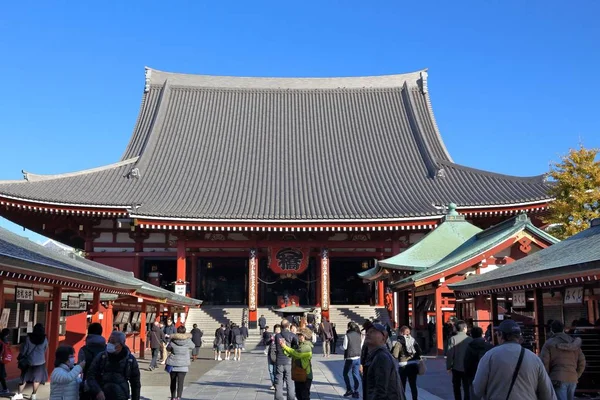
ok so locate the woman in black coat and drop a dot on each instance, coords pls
(197, 339)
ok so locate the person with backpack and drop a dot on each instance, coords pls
(408, 352)
(284, 363)
(219, 342)
(237, 341)
(301, 363)
(262, 324)
(156, 339)
(32, 362)
(227, 341)
(94, 345)
(178, 361)
(115, 373)
(475, 352)
(326, 336)
(381, 379)
(271, 352)
(197, 339)
(6, 357)
(65, 381)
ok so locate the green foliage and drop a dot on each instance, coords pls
(576, 189)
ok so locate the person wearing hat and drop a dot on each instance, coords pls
(509, 371)
(381, 379)
(301, 363)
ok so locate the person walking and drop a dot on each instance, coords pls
(4, 352)
(283, 364)
(408, 352)
(237, 341)
(266, 335)
(455, 357)
(219, 342)
(475, 352)
(115, 373)
(180, 346)
(65, 380)
(301, 363)
(511, 372)
(335, 338)
(227, 343)
(352, 346)
(197, 339)
(382, 381)
(245, 334)
(271, 352)
(326, 336)
(262, 324)
(156, 338)
(563, 360)
(32, 362)
(94, 345)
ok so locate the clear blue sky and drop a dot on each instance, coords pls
(514, 84)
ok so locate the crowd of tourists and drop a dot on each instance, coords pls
(382, 366)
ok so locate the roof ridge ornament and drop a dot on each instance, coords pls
(452, 214)
(148, 76)
(423, 81)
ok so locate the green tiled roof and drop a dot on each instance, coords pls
(436, 245)
(370, 273)
(480, 243)
(580, 253)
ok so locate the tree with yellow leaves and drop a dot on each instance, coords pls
(576, 189)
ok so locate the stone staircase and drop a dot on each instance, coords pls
(342, 315)
(209, 318)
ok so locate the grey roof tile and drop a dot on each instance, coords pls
(283, 149)
(70, 265)
(580, 253)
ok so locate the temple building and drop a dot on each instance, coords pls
(257, 191)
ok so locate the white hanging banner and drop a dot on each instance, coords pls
(519, 300)
(180, 289)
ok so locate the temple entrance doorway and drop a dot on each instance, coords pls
(223, 280)
(276, 289)
(346, 287)
(160, 271)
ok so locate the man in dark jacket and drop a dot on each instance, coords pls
(283, 364)
(244, 332)
(156, 338)
(237, 341)
(382, 381)
(326, 334)
(335, 339)
(170, 328)
(197, 339)
(114, 374)
(94, 345)
(475, 352)
(563, 360)
(219, 342)
(262, 323)
(455, 360)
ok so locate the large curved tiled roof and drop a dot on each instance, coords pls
(213, 148)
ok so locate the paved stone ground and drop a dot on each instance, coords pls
(249, 380)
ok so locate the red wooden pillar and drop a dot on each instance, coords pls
(1, 295)
(194, 277)
(181, 261)
(325, 283)
(54, 327)
(143, 331)
(380, 294)
(96, 306)
(252, 290)
(107, 320)
(439, 323)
